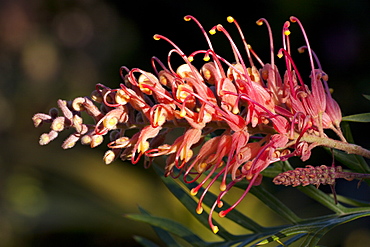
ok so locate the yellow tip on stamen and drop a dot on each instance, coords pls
(287, 32)
(212, 31)
(206, 58)
(223, 186)
(230, 19)
(187, 18)
(190, 58)
(193, 192)
(156, 37)
(182, 113)
(280, 54)
(222, 214)
(215, 229)
(259, 22)
(235, 110)
(199, 210)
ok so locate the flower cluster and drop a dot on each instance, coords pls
(233, 119)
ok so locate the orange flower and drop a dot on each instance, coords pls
(243, 117)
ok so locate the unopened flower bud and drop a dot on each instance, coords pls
(39, 118)
(77, 104)
(110, 156)
(48, 137)
(70, 141)
(58, 124)
(96, 140)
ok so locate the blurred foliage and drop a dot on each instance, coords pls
(60, 49)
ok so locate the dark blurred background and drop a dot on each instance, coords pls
(61, 49)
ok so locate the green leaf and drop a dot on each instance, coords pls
(366, 96)
(162, 234)
(169, 226)
(363, 118)
(312, 230)
(145, 242)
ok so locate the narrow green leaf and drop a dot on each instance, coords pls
(322, 198)
(144, 242)
(352, 202)
(162, 234)
(366, 96)
(321, 229)
(355, 162)
(363, 118)
(275, 204)
(169, 226)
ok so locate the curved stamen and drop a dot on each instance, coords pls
(295, 19)
(237, 55)
(259, 23)
(230, 19)
(178, 50)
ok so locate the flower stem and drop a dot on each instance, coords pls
(331, 143)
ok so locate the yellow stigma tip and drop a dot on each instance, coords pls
(193, 192)
(222, 214)
(230, 19)
(191, 58)
(287, 32)
(212, 31)
(156, 37)
(223, 187)
(215, 229)
(199, 210)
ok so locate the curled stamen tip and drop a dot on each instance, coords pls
(219, 27)
(193, 191)
(230, 19)
(215, 229)
(187, 17)
(199, 210)
(301, 49)
(259, 22)
(293, 19)
(222, 214)
(156, 37)
(280, 54)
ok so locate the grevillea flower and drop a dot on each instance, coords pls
(260, 116)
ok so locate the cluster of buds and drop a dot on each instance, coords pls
(311, 175)
(232, 119)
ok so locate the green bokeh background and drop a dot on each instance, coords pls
(61, 49)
